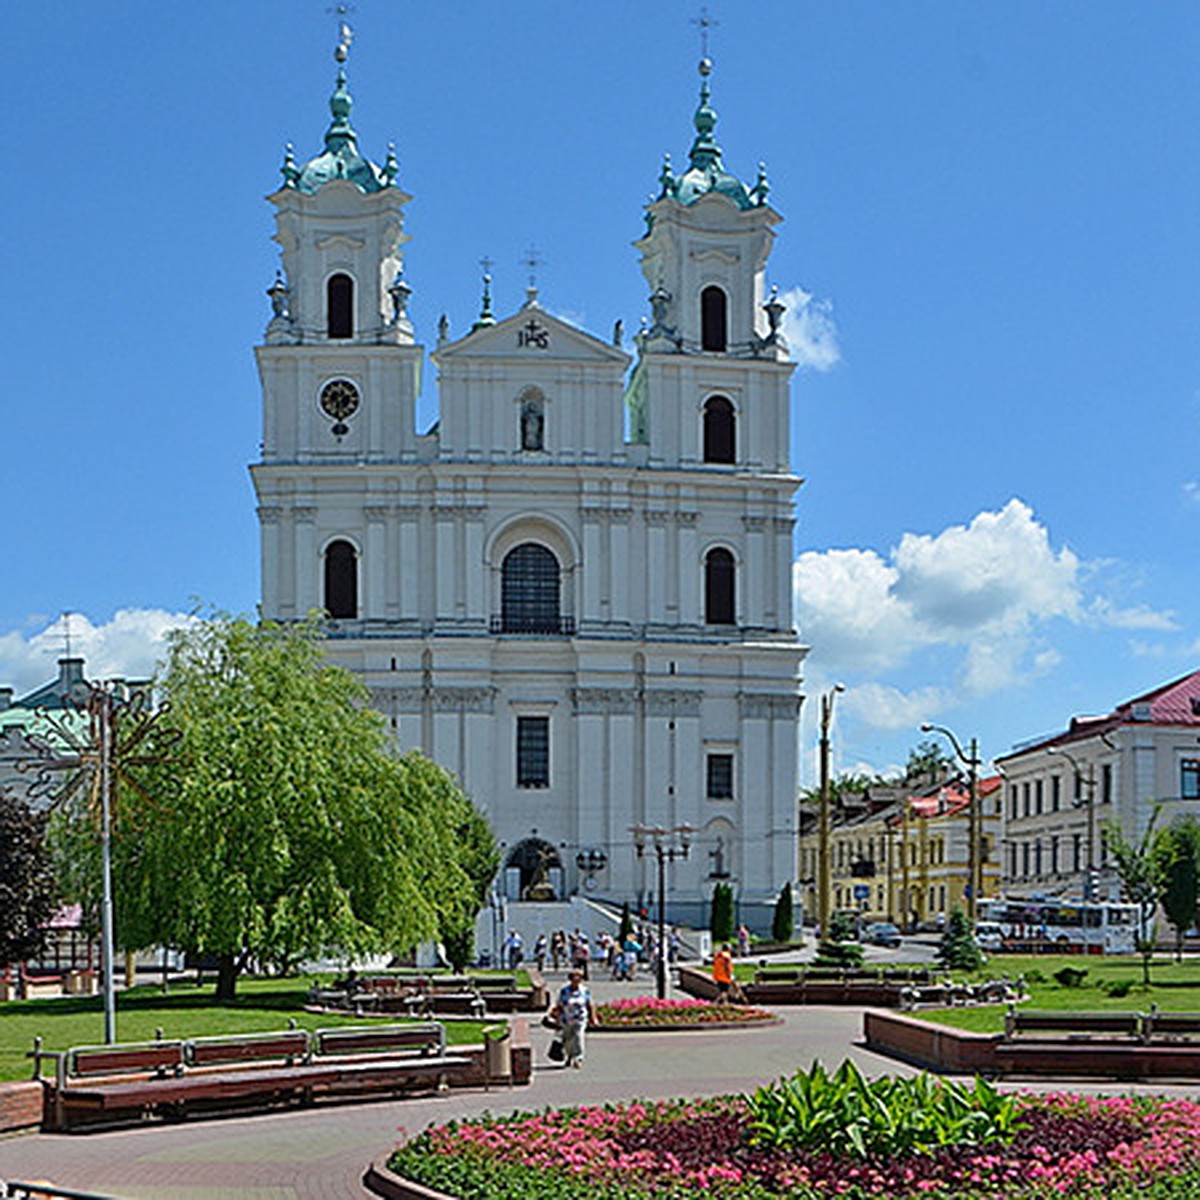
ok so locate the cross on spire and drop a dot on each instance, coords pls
(704, 23)
(345, 33)
(532, 261)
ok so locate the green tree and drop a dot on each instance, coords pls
(928, 762)
(1177, 851)
(1140, 872)
(721, 918)
(958, 950)
(783, 923)
(285, 827)
(28, 893)
(839, 948)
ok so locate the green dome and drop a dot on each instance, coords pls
(341, 159)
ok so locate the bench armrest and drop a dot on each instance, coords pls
(57, 1057)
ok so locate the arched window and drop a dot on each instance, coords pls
(339, 306)
(530, 590)
(720, 431)
(720, 577)
(714, 326)
(341, 580)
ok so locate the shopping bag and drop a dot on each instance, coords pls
(556, 1053)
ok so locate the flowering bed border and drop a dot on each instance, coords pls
(696, 1027)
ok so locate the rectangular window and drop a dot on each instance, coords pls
(533, 752)
(1012, 802)
(1025, 799)
(720, 777)
(1076, 851)
(1038, 794)
(1106, 784)
(1189, 779)
(1055, 792)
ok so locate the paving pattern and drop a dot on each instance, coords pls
(320, 1153)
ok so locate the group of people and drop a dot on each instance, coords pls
(576, 951)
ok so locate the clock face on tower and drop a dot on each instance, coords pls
(339, 400)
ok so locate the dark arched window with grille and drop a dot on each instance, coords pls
(720, 431)
(714, 323)
(341, 580)
(530, 591)
(720, 578)
(339, 306)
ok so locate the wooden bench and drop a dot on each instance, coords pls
(119, 1083)
(1073, 1025)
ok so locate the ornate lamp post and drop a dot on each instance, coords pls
(974, 864)
(590, 860)
(668, 845)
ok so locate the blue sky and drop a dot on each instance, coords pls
(991, 246)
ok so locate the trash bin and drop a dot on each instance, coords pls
(497, 1053)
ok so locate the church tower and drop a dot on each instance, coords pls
(574, 590)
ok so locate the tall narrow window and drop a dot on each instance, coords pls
(1189, 779)
(530, 591)
(720, 441)
(341, 580)
(719, 580)
(533, 752)
(339, 306)
(714, 324)
(719, 777)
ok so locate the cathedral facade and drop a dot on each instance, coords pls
(574, 590)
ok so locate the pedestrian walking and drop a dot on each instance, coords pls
(539, 952)
(722, 973)
(574, 1011)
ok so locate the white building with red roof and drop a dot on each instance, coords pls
(1061, 790)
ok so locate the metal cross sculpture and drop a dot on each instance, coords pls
(88, 762)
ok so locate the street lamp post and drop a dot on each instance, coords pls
(1087, 784)
(974, 859)
(824, 886)
(668, 845)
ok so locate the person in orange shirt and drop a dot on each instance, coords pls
(722, 972)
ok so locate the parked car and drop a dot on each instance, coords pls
(883, 933)
(989, 937)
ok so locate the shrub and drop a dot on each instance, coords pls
(1070, 977)
(957, 950)
(846, 956)
(721, 919)
(783, 924)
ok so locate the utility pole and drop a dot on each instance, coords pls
(824, 884)
(974, 857)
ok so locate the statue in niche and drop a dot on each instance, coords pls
(718, 856)
(540, 887)
(533, 426)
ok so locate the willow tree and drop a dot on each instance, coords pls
(285, 827)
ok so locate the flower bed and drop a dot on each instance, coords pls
(645, 1012)
(1051, 1146)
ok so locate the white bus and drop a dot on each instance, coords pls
(1063, 926)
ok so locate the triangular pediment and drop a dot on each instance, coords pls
(531, 335)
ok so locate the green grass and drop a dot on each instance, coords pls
(1174, 987)
(186, 1011)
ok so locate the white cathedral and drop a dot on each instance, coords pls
(574, 590)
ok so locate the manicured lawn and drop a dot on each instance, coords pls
(187, 1011)
(1174, 987)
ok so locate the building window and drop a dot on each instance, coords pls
(1189, 779)
(339, 306)
(1054, 855)
(1012, 803)
(1055, 792)
(530, 590)
(719, 579)
(1038, 793)
(714, 324)
(341, 581)
(719, 777)
(1025, 799)
(1106, 784)
(1076, 851)
(720, 431)
(533, 752)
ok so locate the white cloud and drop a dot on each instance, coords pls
(1191, 491)
(988, 592)
(886, 707)
(129, 646)
(809, 329)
